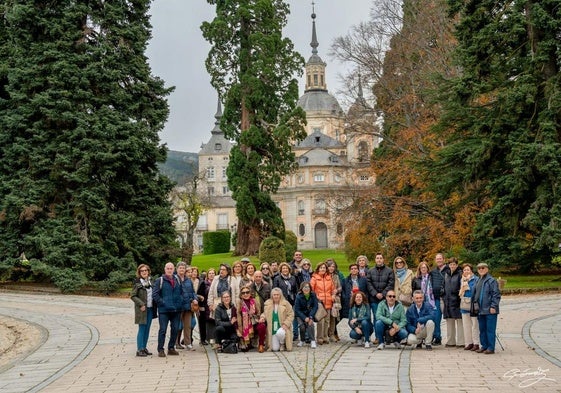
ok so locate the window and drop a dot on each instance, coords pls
(321, 79)
(319, 177)
(339, 229)
(364, 177)
(301, 209)
(337, 177)
(210, 158)
(202, 223)
(225, 190)
(224, 177)
(300, 179)
(301, 229)
(218, 146)
(210, 173)
(222, 221)
(315, 79)
(210, 190)
(363, 154)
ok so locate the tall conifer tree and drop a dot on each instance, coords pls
(502, 123)
(80, 114)
(253, 67)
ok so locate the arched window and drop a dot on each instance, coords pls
(363, 153)
(301, 229)
(300, 208)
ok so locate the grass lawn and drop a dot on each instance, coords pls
(203, 262)
(531, 281)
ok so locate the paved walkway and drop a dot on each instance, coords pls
(88, 345)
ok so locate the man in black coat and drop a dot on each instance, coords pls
(380, 279)
(437, 281)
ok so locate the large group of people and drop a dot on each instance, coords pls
(279, 305)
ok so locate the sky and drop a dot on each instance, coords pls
(177, 52)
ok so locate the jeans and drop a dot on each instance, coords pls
(366, 328)
(144, 331)
(380, 328)
(488, 330)
(165, 318)
(306, 330)
(374, 308)
(437, 320)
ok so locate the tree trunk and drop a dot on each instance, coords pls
(249, 239)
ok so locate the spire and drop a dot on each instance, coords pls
(360, 95)
(314, 44)
(315, 67)
(217, 116)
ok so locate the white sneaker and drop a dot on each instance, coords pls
(381, 346)
(190, 347)
(313, 345)
(367, 344)
(300, 344)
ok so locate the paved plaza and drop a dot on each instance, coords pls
(87, 344)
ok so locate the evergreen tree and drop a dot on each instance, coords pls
(252, 67)
(502, 126)
(80, 113)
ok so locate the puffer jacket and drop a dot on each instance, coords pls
(451, 297)
(324, 288)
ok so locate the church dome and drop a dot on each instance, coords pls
(319, 101)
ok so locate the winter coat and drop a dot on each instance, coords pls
(168, 296)
(289, 295)
(413, 317)
(286, 316)
(398, 315)
(451, 295)
(437, 280)
(213, 297)
(470, 287)
(406, 286)
(380, 280)
(188, 293)
(221, 316)
(360, 313)
(261, 294)
(324, 288)
(347, 293)
(306, 308)
(487, 294)
(139, 295)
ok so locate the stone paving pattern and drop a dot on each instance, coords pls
(89, 346)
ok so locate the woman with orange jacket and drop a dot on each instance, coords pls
(323, 286)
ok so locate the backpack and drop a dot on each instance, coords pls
(229, 346)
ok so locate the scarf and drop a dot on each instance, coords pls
(426, 287)
(248, 311)
(401, 273)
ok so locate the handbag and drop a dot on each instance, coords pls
(465, 303)
(405, 299)
(229, 346)
(195, 307)
(321, 312)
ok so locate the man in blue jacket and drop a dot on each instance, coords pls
(420, 322)
(167, 294)
(485, 305)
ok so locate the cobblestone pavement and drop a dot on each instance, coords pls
(89, 346)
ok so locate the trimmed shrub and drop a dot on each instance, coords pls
(216, 242)
(290, 244)
(272, 249)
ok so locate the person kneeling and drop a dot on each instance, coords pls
(359, 319)
(420, 322)
(390, 322)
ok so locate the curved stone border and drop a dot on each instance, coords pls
(44, 334)
(531, 343)
(68, 343)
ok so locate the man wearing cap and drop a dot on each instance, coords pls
(485, 304)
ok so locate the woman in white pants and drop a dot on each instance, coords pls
(279, 316)
(469, 323)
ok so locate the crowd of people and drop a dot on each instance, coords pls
(276, 306)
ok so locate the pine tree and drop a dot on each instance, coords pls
(502, 125)
(252, 67)
(80, 112)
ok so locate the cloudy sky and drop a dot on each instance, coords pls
(177, 53)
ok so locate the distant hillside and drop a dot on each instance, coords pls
(180, 166)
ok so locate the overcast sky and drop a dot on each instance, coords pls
(177, 53)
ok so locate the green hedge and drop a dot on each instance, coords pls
(216, 242)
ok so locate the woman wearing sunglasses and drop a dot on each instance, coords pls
(250, 322)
